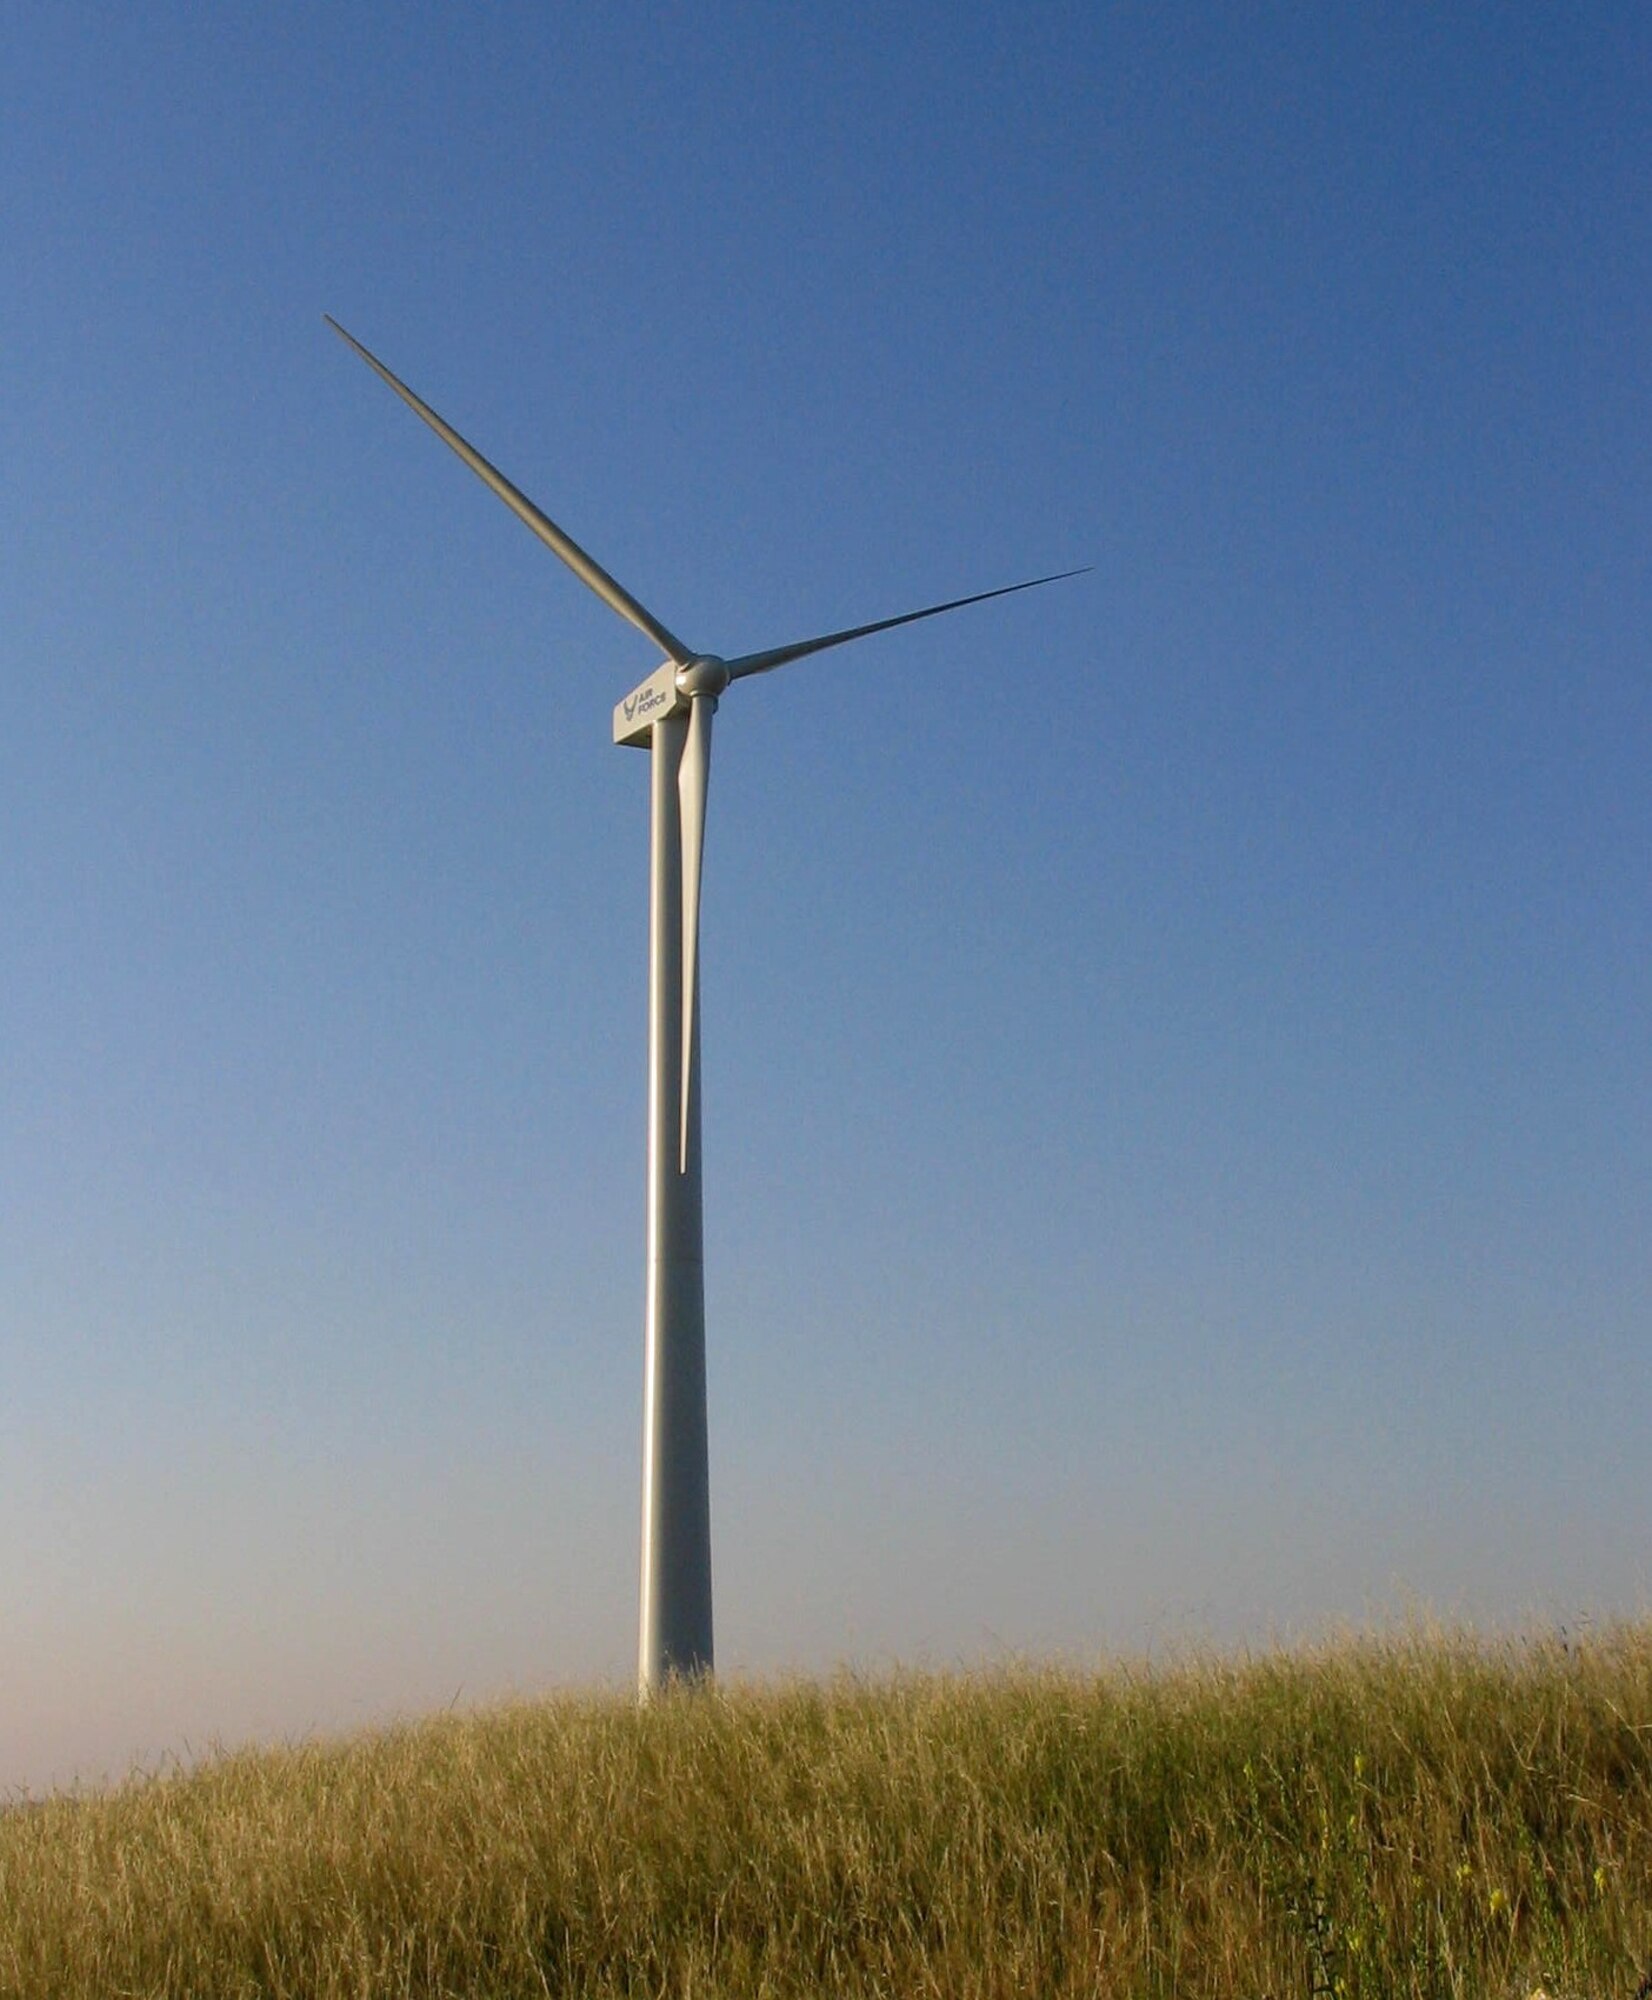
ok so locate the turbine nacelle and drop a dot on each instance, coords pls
(668, 691)
(649, 702)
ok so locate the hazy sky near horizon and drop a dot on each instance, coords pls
(1178, 1128)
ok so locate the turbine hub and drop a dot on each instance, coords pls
(703, 675)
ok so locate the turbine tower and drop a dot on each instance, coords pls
(670, 715)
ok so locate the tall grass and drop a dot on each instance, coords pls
(1420, 1816)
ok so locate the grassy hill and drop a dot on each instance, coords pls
(1423, 1815)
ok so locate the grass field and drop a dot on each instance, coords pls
(1422, 1815)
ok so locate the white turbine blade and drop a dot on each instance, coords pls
(780, 656)
(693, 779)
(586, 568)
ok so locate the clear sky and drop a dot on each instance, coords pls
(1178, 1126)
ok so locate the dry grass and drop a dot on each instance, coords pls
(1423, 1816)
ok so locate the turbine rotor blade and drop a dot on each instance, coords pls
(780, 656)
(693, 780)
(585, 567)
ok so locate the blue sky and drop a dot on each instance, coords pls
(1178, 1134)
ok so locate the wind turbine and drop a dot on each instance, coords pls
(670, 714)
